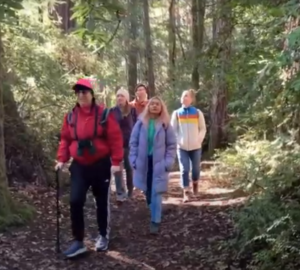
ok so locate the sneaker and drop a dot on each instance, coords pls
(102, 243)
(154, 227)
(76, 248)
(186, 196)
(195, 188)
(120, 198)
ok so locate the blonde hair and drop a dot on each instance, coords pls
(164, 116)
(191, 92)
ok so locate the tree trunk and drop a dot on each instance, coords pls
(172, 42)
(198, 13)
(63, 10)
(218, 108)
(132, 44)
(149, 50)
(4, 191)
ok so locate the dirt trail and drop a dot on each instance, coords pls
(192, 234)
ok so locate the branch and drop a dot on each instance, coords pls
(111, 38)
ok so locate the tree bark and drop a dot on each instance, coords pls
(132, 44)
(4, 191)
(149, 50)
(219, 99)
(63, 10)
(172, 42)
(198, 16)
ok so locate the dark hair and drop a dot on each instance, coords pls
(141, 85)
(79, 87)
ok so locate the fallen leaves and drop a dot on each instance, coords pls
(191, 238)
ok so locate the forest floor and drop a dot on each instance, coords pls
(192, 235)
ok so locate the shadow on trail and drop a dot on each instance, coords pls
(192, 236)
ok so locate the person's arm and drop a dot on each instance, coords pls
(134, 144)
(202, 127)
(114, 139)
(63, 152)
(174, 122)
(171, 146)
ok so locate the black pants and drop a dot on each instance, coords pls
(97, 176)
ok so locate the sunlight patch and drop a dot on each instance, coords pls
(124, 259)
(177, 201)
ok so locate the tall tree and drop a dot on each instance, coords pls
(198, 16)
(219, 95)
(149, 49)
(63, 10)
(133, 7)
(172, 42)
(4, 193)
(7, 9)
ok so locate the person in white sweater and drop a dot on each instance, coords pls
(189, 125)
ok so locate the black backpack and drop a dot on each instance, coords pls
(102, 121)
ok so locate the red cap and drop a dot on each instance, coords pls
(83, 82)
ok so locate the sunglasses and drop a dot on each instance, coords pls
(84, 92)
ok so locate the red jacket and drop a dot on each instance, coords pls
(111, 145)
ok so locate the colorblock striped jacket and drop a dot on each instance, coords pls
(189, 126)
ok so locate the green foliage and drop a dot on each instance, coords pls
(268, 224)
(19, 214)
(43, 64)
(259, 165)
(90, 14)
(8, 9)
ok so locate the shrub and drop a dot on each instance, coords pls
(268, 225)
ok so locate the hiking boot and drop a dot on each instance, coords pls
(195, 188)
(154, 227)
(75, 249)
(129, 193)
(102, 243)
(186, 197)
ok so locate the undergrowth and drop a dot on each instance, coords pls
(18, 214)
(268, 225)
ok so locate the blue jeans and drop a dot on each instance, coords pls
(184, 159)
(119, 176)
(154, 199)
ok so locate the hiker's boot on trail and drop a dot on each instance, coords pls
(102, 243)
(154, 228)
(75, 249)
(186, 197)
(195, 188)
(129, 192)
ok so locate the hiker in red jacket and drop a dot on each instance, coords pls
(92, 137)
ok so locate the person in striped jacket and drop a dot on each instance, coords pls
(189, 125)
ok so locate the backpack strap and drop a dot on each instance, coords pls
(75, 114)
(104, 117)
(117, 113)
(133, 114)
(73, 123)
(96, 121)
(69, 117)
(103, 121)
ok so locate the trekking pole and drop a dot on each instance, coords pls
(57, 212)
